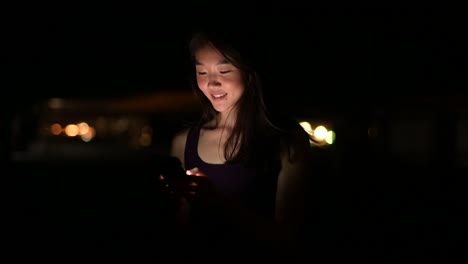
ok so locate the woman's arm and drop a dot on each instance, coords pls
(178, 150)
(178, 146)
(291, 196)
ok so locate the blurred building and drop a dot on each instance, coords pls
(413, 129)
(67, 128)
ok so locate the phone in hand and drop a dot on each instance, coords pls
(172, 170)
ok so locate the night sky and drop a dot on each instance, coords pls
(113, 49)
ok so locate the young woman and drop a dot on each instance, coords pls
(247, 169)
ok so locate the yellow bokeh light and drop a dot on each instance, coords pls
(307, 127)
(83, 128)
(71, 130)
(320, 132)
(89, 135)
(330, 138)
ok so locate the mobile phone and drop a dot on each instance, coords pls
(171, 168)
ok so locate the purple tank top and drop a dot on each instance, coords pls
(233, 180)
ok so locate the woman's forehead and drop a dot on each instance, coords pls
(209, 54)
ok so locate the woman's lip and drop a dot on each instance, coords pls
(218, 96)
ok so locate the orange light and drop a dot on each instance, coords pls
(72, 130)
(56, 129)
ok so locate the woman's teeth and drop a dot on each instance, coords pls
(219, 95)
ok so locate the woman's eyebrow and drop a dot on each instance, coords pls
(221, 62)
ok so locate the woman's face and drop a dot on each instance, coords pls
(219, 80)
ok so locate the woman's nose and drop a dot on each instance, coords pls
(213, 81)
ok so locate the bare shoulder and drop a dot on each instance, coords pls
(178, 144)
(293, 179)
(295, 157)
(295, 153)
(296, 145)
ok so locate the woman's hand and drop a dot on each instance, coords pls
(201, 191)
(196, 188)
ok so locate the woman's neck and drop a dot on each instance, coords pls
(226, 119)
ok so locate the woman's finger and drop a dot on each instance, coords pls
(195, 172)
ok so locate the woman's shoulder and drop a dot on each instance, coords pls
(181, 134)
(293, 137)
(179, 138)
(178, 143)
(288, 126)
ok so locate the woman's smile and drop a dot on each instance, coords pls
(218, 96)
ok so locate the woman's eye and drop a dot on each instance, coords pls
(201, 73)
(223, 72)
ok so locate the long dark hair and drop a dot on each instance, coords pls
(255, 133)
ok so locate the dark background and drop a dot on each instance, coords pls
(391, 80)
(114, 48)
